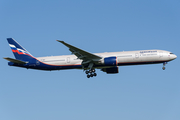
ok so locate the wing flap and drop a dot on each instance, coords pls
(15, 61)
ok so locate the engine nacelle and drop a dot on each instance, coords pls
(110, 61)
(112, 70)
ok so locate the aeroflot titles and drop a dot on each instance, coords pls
(148, 51)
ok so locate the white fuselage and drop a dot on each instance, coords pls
(108, 62)
(123, 58)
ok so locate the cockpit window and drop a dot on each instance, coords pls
(171, 53)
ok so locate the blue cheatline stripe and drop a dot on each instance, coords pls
(13, 48)
(42, 66)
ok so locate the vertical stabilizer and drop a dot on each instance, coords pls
(19, 52)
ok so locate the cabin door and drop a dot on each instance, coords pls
(68, 59)
(136, 55)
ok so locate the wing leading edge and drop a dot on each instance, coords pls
(81, 54)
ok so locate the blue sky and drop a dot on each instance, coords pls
(137, 92)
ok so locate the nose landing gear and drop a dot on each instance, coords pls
(163, 68)
(164, 65)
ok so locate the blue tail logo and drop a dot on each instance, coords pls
(20, 53)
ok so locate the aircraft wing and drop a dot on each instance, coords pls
(15, 61)
(81, 54)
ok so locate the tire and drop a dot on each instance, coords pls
(95, 74)
(163, 68)
(93, 70)
(91, 75)
(88, 76)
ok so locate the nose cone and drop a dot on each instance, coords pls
(174, 57)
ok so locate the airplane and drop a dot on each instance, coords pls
(108, 62)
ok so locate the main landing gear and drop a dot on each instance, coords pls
(164, 65)
(91, 73)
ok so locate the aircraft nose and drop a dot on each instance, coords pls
(174, 57)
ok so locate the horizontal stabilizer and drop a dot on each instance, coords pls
(15, 61)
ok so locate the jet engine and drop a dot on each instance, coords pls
(110, 61)
(112, 70)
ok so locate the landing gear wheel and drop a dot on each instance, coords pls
(94, 74)
(163, 68)
(91, 75)
(88, 76)
(93, 70)
(87, 72)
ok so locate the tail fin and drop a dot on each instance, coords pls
(20, 53)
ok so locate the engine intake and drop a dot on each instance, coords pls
(110, 61)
